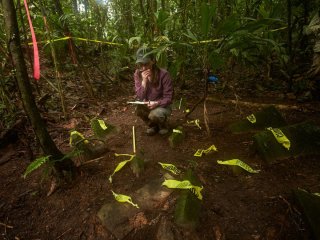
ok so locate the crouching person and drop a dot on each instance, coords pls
(153, 85)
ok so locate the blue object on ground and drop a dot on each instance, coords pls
(213, 79)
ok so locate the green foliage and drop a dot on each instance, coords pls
(207, 14)
(246, 27)
(35, 165)
(8, 110)
(48, 159)
(162, 18)
(134, 42)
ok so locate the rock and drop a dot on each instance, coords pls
(116, 218)
(165, 230)
(176, 137)
(121, 218)
(152, 195)
(310, 205)
(304, 140)
(267, 117)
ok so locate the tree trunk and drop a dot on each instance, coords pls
(290, 62)
(14, 46)
(129, 18)
(75, 6)
(163, 5)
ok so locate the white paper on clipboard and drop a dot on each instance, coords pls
(138, 102)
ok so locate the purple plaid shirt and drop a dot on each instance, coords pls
(162, 93)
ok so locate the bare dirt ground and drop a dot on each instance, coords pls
(235, 206)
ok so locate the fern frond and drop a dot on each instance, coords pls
(36, 164)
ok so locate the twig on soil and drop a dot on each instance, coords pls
(25, 193)
(5, 225)
(291, 208)
(91, 161)
(252, 104)
(64, 233)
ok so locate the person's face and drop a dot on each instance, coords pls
(144, 66)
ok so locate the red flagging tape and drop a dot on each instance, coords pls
(36, 63)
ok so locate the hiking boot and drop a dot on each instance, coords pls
(151, 131)
(163, 131)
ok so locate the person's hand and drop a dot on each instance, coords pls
(146, 76)
(153, 104)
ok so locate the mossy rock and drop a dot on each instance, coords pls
(79, 142)
(310, 205)
(100, 128)
(188, 206)
(176, 137)
(304, 140)
(137, 165)
(267, 117)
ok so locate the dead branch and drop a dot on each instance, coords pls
(257, 105)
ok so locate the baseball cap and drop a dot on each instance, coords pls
(144, 56)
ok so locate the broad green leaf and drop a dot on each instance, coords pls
(134, 41)
(124, 198)
(229, 25)
(191, 35)
(35, 164)
(204, 18)
(207, 13)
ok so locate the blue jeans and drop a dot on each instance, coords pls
(154, 117)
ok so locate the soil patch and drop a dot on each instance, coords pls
(235, 205)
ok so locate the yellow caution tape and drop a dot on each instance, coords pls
(177, 131)
(196, 190)
(123, 198)
(195, 122)
(237, 162)
(170, 167)
(102, 124)
(212, 148)
(317, 194)
(251, 118)
(208, 41)
(76, 38)
(76, 133)
(200, 152)
(120, 44)
(52, 40)
(281, 138)
(121, 164)
(97, 41)
(278, 29)
(187, 110)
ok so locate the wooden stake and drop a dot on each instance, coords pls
(134, 140)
